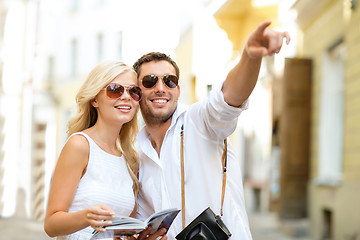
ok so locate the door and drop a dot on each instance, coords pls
(294, 138)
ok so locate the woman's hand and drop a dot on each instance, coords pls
(98, 216)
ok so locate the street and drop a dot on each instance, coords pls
(266, 226)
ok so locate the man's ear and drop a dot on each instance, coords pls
(179, 91)
(94, 103)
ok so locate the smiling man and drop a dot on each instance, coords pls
(205, 125)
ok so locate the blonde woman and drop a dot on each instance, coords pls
(95, 177)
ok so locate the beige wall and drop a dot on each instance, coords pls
(352, 95)
(318, 37)
(184, 53)
(343, 202)
(335, 21)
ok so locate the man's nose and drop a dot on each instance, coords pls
(160, 85)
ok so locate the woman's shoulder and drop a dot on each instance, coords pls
(78, 142)
(75, 152)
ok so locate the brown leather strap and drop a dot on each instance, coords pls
(224, 164)
(182, 176)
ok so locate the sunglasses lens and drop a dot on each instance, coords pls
(171, 81)
(135, 93)
(114, 90)
(149, 81)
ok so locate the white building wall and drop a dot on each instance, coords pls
(18, 55)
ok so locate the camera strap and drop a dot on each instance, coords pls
(224, 165)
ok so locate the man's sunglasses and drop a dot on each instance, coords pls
(115, 91)
(150, 81)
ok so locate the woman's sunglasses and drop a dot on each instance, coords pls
(150, 81)
(115, 91)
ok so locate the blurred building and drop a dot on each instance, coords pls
(2, 25)
(238, 18)
(208, 48)
(329, 36)
(21, 157)
(297, 142)
(22, 177)
(313, 167)
(301, 158)
(49, 47)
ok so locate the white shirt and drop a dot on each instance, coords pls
(206, 125)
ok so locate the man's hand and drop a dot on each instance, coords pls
(242, 79)
(264, 41)
(145, 235)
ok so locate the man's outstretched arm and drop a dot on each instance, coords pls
(242, 79)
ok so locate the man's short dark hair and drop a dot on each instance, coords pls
(155, 56)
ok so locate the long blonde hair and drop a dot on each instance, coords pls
(86, 115)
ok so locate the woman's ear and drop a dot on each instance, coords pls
(94, 103)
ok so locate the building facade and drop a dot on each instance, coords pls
(253, 138)
(330, 34)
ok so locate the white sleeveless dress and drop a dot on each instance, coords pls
(106, 181)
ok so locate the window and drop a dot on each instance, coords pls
(73, 57)
(209, 88)
(120, 45)
(51, 68)
(100, 50)
(74, 5)
(99, 3)
(50, 80)
(331, 119)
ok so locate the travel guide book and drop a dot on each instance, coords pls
(129, 226)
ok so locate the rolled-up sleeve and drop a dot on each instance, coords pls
(214, 117)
